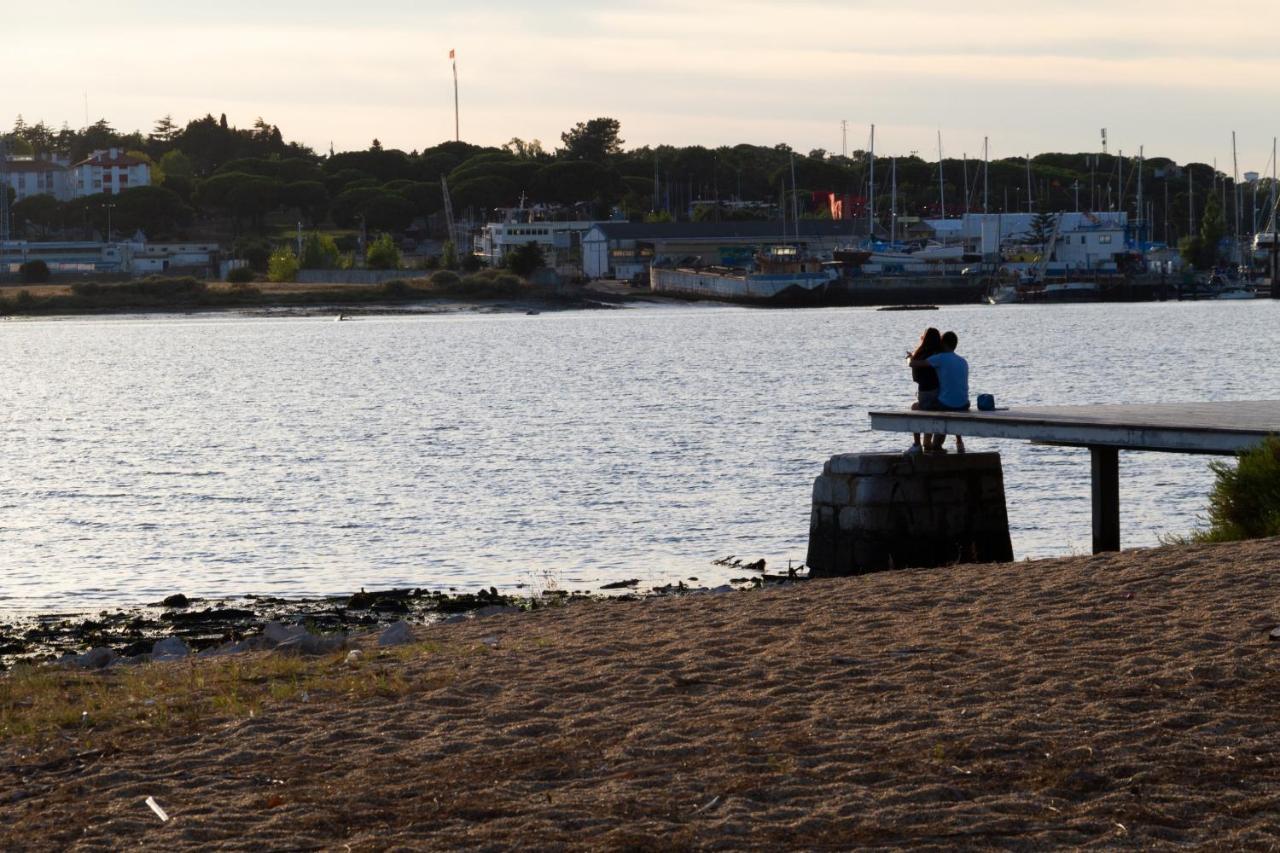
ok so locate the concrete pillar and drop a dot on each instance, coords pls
(877, 511)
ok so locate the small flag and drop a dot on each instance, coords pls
(451, 56)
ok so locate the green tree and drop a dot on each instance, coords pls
(319, 252)
(383, 254)
(1212, 227)
(388, 212)
(525, 259)
(1041, 231)
(156, 211)
(165, 130)
(594, 140)
(449, 258)
(282, 266)
(36, 215)
(309, 198)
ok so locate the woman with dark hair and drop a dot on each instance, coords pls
(926, 378)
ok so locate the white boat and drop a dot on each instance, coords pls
(1061, 291)
(1003, 294)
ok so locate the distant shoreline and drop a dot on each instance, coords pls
(190, 295)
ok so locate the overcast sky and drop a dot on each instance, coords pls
(1036, 75)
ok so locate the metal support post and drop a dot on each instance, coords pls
(1105, 462)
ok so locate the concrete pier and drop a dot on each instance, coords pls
(877, 511)
(1220, 428)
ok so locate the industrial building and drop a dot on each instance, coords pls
(625, 250)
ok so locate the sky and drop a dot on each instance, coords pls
(1175, 77)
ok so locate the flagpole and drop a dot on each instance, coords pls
(457, 136)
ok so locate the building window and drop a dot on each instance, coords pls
(1104, 238)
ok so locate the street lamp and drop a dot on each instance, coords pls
(109, 208)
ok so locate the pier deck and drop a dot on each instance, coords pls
(1207, 428)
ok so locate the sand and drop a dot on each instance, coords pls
(1121, 700)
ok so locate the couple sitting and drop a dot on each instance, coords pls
(942, 378)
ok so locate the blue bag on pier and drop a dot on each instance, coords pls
(986, 402)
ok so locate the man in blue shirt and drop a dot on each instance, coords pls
(953, 385)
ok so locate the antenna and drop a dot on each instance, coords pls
(844, 137)
(453, 57)
(1104, 140)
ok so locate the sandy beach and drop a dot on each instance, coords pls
(1120, 700)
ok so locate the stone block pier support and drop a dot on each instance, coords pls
(876, 511)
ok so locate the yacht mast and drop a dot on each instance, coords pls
(871, 189)
(1235, 198)
(795, 201)
(893, 200)
(985, 164)
(1028, 183)
(1141, 209)
(1272, 258)
(942, 190)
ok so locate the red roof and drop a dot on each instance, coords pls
(33, 166)
(104, 159)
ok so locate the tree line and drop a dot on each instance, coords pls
(212, 178)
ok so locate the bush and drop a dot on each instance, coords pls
(525, 258)
(34, 272)
(283, 266)
(471, 262)
(445, 278)
(396, 288)
(383, 254)
(319, 252)
(449, 260)
(240, 275)
(1245, 500)
(255, 250)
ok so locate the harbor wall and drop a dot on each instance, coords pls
(753, 287)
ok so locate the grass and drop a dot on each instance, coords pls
(42, 705)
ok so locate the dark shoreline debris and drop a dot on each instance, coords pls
(204, 626)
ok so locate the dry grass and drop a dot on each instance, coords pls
(44, 705)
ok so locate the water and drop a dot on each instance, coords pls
(230, 455)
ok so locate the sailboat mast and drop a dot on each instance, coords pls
(1028, 183)
(985, 171)
(1141, 209)
(1191, 203)
(964, 165)
(795, 200)
(893, 200)
(1235, 198)
(942, 190)
(871, 188)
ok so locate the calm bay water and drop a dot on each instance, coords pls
(231, 455)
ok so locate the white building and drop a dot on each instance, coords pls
(559, 240)
(111, 171)
(28, 177)
(1085, 240)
